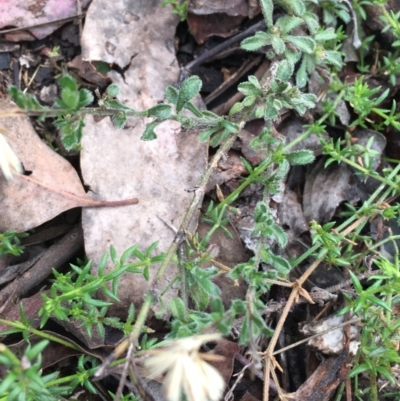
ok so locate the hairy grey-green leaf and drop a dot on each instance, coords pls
(161, 111)
(268, 10)
(70, 98)
(149, 134)
(67, 82)
(260, 39)
(112, 90)
(300, 157)
(278, 44)
(178, 309)
(284, 71)
(85, 98)
(288, 23)
(171, 94)
(303, 43)
(327, 34)
(189, 89)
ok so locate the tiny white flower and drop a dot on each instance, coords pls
(9, 162)
(186, 371)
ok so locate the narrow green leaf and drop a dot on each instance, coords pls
(363, 367)
(356, 282)
(245, 331)
(33, 352)
(379, 302)
(113, 255)
(97, 302)
(128, 253)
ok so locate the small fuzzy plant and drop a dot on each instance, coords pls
(303, 37)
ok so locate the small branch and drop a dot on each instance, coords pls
(83, 201)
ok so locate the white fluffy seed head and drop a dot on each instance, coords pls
(9, 162)
(186, 371)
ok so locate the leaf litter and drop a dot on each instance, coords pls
(117, 165)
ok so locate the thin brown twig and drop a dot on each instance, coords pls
(294, 295)
(83, 201)
(296, 344)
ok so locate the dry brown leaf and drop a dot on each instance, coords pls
(227, 350)
(51, 188)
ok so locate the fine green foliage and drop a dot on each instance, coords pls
(10, 243)
(74, 295)
(179, 7)
(24, 379)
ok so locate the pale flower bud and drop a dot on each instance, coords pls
(9, 162)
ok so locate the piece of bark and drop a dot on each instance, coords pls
(324, 381)
(56, 256)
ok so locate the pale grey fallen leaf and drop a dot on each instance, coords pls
(292, 128)
(326, 188)
(318, 87)
(362, 136)
(116, 162)
(291, 214)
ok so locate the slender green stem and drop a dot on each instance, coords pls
(250, 179)
(83, 111)
(47, 336)
(350, 220)
(384, 241)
